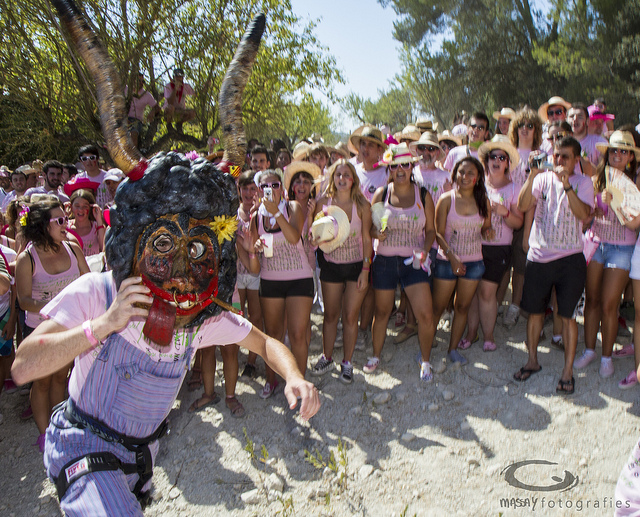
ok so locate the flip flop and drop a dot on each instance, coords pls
(194, 384)
(525, 371)
(566, 387)
(194, 408)
(234, 405)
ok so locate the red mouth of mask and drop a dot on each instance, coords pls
(201, 300)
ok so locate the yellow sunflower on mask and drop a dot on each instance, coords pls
(224, 226)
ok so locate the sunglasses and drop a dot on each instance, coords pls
(528, 125)
(623, 152)
(275, 184)
(406, 166)
(61, 221)
(479, 128)
(551, 113)
(430, 148)
(559, 136)
(500, 157)
(446, 146)
(87, 158)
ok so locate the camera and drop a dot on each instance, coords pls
(541, 162)
(268, 193)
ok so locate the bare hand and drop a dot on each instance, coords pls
(458, 267)
(9, 329)
(271, 207)
(499, 209)
(311, 206)
(97, 214)
(363, 281)
(447, 186)
(258, 247)
(243, 238)
(308, 393)
(381, 236)
(131, 295)
(606, 197)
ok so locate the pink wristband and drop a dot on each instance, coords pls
(88, 331)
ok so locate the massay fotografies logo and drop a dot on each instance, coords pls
(559, 485)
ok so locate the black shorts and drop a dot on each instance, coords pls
(286, 288)
(496, 262)
(567, 275)
(338, 273)
(518, 255)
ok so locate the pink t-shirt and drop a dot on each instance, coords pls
(556, 232)
(90, 241)
(505, 196)
(458, 153)
(370, 181)
(86, 299)
(589, 150)
(139, 103)
(519, 174)
(405, 228)
(181, 94)
(463, 234)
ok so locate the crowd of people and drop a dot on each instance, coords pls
(407, 227)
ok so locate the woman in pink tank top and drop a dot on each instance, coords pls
(286, 278)
(463, 218)
(44, 269)
(87, 221)
(344, 272)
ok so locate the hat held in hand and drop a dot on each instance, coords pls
(330, 228)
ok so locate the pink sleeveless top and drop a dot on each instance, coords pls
(505, 196)
(45, 286)
(610, 231)
(90, 241)
(463, 234)
(351, 249)
(405, 228)
(289, 261)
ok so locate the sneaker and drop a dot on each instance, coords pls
(27, 413)
(372, 364)
(426, 374)
(346, 372)
(606, 367)
(510, 318)
(40, 442)
(323, 366)
(629, 381)
(363, 339)
(625, 351)
(268, 390)
(10, 386)
(456, 357)
(587, 357)
(249, 371)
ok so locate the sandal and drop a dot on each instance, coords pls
(196, 408)
(234, 405)
(566, 387)
(525, 373)
(195, 383)
(489, 346)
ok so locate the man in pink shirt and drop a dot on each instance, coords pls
(477, 133)
(578, 117)
(139, 102)
(175, 96)
(562, 200)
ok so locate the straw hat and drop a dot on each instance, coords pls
(424, 124)
(340, 148)
(503, 143)
(5, 172)
(447, 135)
(504, 113)
(620, 140)
(398, 154)
(330, 228)
(427, 138)
(369, 133)
(409, 132)
(350, 146)
(301, 150)
(26, 170)
(294, 167)
(553, 101)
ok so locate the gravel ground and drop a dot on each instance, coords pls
(399, 447)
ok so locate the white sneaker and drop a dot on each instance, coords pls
(606, 367)
(510, 318)
(585, 359)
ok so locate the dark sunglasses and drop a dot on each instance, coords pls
(275, 184)
(430, 148)
(87, 158)
(60, 220)
(528, 125)
(500, 157)
(476, 126)
(551, 113)
(615, 150)
(559, 135)
(406, 165)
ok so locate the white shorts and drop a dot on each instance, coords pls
(248, 281)
(634, 273)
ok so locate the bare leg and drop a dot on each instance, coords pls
(442, 291)
(40, 404)
(593, 304)
(385, 299)
(298, 314)
(368, 308)
(465, 290)
(351, 304)
(473, 318)
(273, 313)
(613, 285)
(255, 317)
(419, 296)
(332, 295)
(570, 338)
(230, 368)
(488, 305)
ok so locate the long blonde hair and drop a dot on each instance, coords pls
(356, 194)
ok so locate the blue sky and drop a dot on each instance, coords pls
(359, 34)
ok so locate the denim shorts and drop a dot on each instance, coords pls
(614, 256)
(387, 272)
(444, 271)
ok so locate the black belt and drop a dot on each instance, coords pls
(102, 461)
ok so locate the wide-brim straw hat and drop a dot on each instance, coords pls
(26, 170)
(447, 135)
(340, 148)
(397, 154)
(409, 132)
(301, 151)
(424, 124)
(504, 113)
(350, 146)
(553, 101)
(369, 133)
(620, 140)
(331, 228)
(427, 138)
(294, 167)
(503, 143)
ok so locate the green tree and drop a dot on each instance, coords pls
(40, 74)
(394, 107)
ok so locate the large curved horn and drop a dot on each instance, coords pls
(230, 99)
(113, 115)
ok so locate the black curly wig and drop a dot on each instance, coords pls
(172, 184)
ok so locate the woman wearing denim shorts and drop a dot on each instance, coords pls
(608, 270)
(406, 231)
(463, 218)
